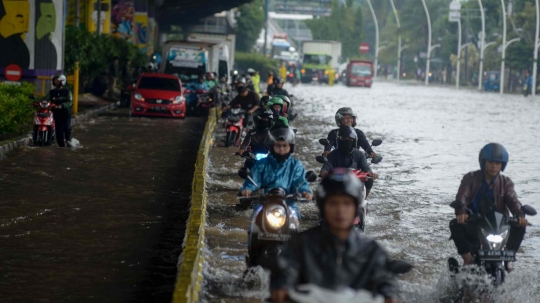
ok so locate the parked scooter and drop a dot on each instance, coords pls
(272, 224)
(44, 130)
(490, 252)
(235, 126)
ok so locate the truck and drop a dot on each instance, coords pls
(226, 46)
(359, 73)
(188, 60)
(319, 57)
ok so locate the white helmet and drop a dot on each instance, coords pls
(251, 71)
(60, 77)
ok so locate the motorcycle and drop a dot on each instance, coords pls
(44, 130)
(204, 101)
(310, 293)
(235, 126)
(360, 220)
(490, 252)
(272, 224)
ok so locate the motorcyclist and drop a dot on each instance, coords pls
(199, 85)
(256, 79)
(287, 108)
(484, 191)
(279, 169)
(347, 156)
(246, 99)
(334, 255)
(62, 97)
(276, 106)
(346, 116)
(224, 89)
(256, 138)
(277, 88)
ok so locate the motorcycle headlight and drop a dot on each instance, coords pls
(138, 97)
(260, 156)
(178, 99)
(276, 216)
(495, 241)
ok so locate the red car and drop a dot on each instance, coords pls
(158, 95)
(359, 73)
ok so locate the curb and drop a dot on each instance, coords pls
(9, 147)
(189, 278)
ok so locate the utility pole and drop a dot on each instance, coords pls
(501, 85)
(482, 45)
(535, 64)
(399, 39)
(429, 42)
(266, 6)
(98, 25)
(77, 20)
(376, 65)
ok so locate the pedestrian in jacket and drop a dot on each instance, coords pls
(62, 97)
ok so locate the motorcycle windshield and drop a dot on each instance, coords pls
(493, 222)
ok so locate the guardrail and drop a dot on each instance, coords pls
(189, 279)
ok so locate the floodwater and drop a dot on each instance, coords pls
(103, 222)
(432, 137)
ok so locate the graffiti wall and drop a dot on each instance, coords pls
(122, 19)
(31, 35)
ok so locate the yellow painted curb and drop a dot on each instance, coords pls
(189, 279)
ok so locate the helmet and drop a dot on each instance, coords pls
(493, 152)
(60, 77)
(273, 101)
(346, 132)
(340, 181)
(242, 80)
(279, 80)
(251, 71)
(260, 114)
(343, 112)
(281, 134)
(286, 100)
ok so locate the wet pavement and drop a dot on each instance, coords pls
(103, 222)
(432, 137)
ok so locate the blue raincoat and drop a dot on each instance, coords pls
(268, 173)
(192, 97)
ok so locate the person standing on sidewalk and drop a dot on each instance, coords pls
(113, 75)
(62, 97)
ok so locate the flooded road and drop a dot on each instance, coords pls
(432, 137)
(100, 223)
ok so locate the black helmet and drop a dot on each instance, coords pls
(258, 117)
(279, 80)
(340, 181)
(242, 80)
(493, 152)
(343, 112)
(281, 134)
(346, 147)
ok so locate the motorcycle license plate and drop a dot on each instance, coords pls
(274, 237)
(497, 255)
(159, 108)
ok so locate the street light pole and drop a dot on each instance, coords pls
(399, 39)
(501, 83)
(482, 45)
(266, 5)
(459, 53)
(535, 64)
(429, 41)
(376, 38)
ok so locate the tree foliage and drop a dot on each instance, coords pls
(249, 25)
(345, 24)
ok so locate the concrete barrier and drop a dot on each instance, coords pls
(10, 146)
(189, 279)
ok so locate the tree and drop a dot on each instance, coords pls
(249, 25)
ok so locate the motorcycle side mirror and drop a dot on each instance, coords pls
(324, 142)
(243, 173)
(376, 160)
(528, 210)
(399, 267)
(457, 204)
(376, 142)
(321, 159)
(311, 176)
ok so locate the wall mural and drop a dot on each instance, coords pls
(31, 34)
(122, 18)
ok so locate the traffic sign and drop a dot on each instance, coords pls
(13, 73)
(455, 5)
(364, 48)
(454, 16)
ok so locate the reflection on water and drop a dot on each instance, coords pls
(99, 223)
(432, 137)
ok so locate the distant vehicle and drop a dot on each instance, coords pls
(359, 73)
(318, 59)
(189, 60)
(493, 81)
(279, 45)
(158, 95)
